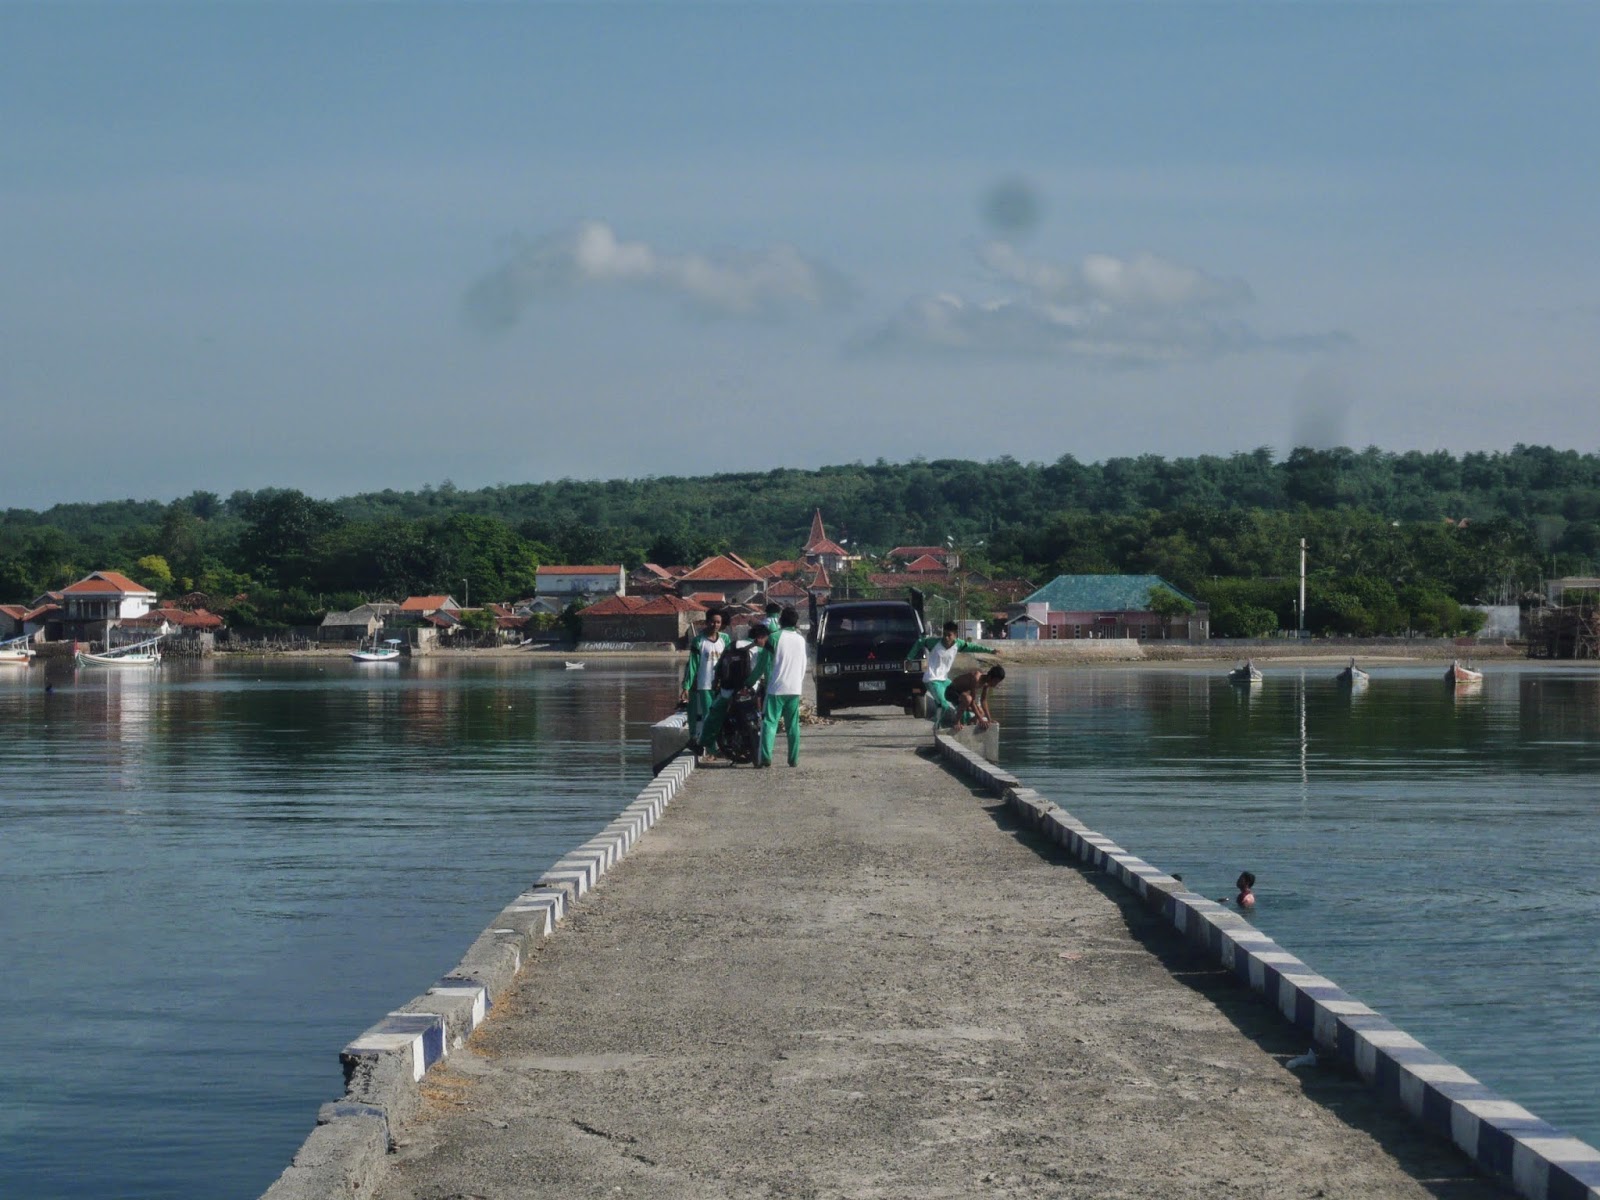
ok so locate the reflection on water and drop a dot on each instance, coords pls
(217, 873)
(1429, 847)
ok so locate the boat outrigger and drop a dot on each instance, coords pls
(16, 651)
(388, 652)
(140, 654)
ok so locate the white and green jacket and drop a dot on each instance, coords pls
(940, 657)
(691, 670)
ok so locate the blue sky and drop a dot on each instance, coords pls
(362, 246)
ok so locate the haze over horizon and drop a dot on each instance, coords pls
(343, 248)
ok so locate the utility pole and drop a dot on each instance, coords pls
(1302, 587)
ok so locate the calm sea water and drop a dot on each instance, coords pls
(1434, 851)
(213, 877)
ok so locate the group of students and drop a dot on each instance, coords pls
(718, 669)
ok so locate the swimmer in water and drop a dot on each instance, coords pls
(1246, 897)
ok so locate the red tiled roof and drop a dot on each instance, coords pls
(781, 568)
(735, 558)
(925, 564)
(106, 583)
(42, 611)
(15, 611)
(894, 581)
(820, 579)
(910, 552)
(509, 622)
(721, 568)
(424, 603)
(658, 572)
(616, 605)
(665, 605)
(612, 569)
(182, 618)
(817, 533)
(786, 589)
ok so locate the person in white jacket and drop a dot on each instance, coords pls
(783, 665)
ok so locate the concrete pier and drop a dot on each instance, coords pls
(861, 978)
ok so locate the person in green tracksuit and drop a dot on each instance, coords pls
(705, 648)
(782, 663)
(941, 654)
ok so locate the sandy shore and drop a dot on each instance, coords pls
(860, 979)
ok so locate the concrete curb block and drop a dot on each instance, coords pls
(1502, 1138)
(346, 1154)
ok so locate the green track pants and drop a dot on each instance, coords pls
(785, 709)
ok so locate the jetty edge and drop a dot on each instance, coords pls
(1502, 1138)
(348, 1151)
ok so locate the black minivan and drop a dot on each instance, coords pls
(861, 655)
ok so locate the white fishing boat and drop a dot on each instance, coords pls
(388, 652)
(140, 654)
(16, 651)
(1459, 674)
(1249, 673)
(575, 666)
(1352, 676)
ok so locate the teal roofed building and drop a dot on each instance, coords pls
(1105, 606)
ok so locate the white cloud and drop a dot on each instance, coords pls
(1145, 310)
(762, 283)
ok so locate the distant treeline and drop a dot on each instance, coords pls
(1396, 539)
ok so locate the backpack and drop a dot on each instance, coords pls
(733, 668)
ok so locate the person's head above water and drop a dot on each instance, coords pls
(1245, 883)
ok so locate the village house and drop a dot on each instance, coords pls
(99, 602)
(908, 554)
(635, 619)
(572, 582)
(358, 625)
(724, 575)
(650, 579)
(1104, 606)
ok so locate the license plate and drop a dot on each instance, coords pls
(874, 685)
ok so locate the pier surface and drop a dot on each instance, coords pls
(859, 978)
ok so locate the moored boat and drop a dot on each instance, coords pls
(1248, 673)
(140, 654)
(1459, 674)
(16, 651)
(1352, 676)
(388, 652)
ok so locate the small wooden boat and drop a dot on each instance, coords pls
(575, 666)
(388, 652)
(1352, 676)
(1459, 674)
(1249, 673)
(16, 651)
(141, 654)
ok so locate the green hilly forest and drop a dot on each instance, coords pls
(1397, 540)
